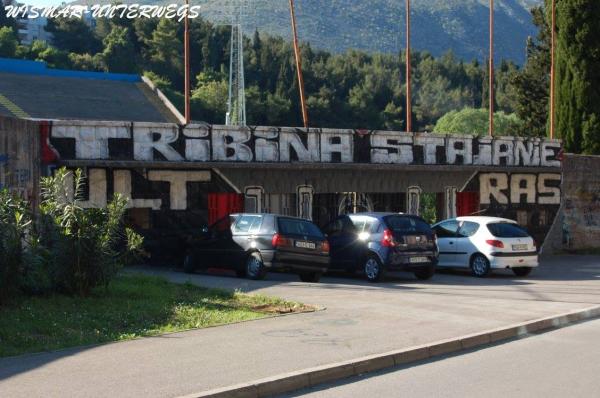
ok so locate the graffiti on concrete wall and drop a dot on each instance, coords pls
(150, 142)
(516, 188)
(177, 181)
(3, 162)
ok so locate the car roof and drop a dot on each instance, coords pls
(483, 219)
(378, 214)
(268, 214)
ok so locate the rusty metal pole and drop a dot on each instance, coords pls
(408, 72)
(298, 65)
(491, 70)
(553, 73)
(186, 56)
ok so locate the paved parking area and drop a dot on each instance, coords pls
(359, 319)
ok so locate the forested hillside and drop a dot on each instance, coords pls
(378, 25)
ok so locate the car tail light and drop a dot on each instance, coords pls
(495, 243)
(325, 248)
(388, 239)
(280, 241)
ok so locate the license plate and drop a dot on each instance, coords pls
(418, 260)
(306, 245)
(517, 248)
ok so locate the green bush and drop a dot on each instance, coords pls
(15, 220)
(70, 249)
(84, 248)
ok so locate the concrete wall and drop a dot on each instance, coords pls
(20, 157)
(579, 228)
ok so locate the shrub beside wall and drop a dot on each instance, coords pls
(70, 249)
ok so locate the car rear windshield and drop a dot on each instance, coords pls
(507, 230)
(291, 226)
(407, 225)
(248, 224)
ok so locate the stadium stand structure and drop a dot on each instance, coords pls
(28, 89)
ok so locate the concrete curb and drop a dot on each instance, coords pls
(329, 373)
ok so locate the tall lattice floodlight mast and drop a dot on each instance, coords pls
(236, 105)
(233, 13)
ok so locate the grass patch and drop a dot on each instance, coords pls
(133, 306)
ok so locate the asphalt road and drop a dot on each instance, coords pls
(561, 363)
(359, 319)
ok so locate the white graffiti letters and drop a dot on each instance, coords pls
(230, 146)
(391, 148)
(91, 140)
(147, 139)
(505, 189)
(155, 142)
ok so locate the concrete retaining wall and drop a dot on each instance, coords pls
(20, 157)
(581, 203)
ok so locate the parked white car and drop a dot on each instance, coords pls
(485, 243)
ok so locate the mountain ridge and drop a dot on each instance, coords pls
(379, 25)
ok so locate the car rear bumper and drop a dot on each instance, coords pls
(295, 262)
(402, 261)
(513, 260)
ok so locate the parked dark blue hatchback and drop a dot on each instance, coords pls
(374, 243)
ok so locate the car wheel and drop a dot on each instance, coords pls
(522, 271)
(189, 263)
(425, 273)
(312, 277)
(373, 269)
(255, 268)
(480, 266)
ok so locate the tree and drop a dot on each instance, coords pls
(475, 121)
(118, 51)
(211, 95)
(532, 84)
(41, 51)
(165, 50)
(73, 35)
(8, 42)
(6, 21)
(578, 75)
(86, 62)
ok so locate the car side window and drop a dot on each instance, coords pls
(248, 224)
(221, 228)
(359, 223)
(334, 228)
(447, 229)
(348, 226)
(468, 229)
(363, 224)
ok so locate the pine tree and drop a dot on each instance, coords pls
(578, 75)
(532, 84)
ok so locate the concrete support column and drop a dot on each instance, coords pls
(254, 199)
(450, 202)
(304, 202)
(413, 200)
